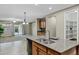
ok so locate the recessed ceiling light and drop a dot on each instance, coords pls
(50, 8)
(26, 23)
(14, 21)
(75, 11)
(23, 22)
(36, 4)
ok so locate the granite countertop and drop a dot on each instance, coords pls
(59, 45)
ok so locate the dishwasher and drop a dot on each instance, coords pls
(29, 46)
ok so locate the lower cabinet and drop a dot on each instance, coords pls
(34, 50)
(41, 52)
(77, 50)
(71, 51)
(51, 52)
(38, 49)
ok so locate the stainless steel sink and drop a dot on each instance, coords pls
(45, 41)
(48, 42)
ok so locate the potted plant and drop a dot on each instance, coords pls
(1, 30)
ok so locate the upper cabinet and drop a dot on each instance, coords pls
(41, 26)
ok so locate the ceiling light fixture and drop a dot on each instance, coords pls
(14, 21)
(36, 4)
(75, 11)
(24, 22)
(50, 8)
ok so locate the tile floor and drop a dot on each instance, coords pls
(18, 47)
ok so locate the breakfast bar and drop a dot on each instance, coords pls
(57, 47)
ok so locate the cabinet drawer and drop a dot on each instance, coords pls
(39, 46)
(40, 52)
(42, 47)
(51, 52)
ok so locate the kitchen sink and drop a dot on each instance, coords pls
(48, 42)
(45, 41)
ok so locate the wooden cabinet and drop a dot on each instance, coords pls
(77, 50)
(34, 50)
(41, 26)
(52, 52)
(38, 49)
(41, 52)
(40, 33)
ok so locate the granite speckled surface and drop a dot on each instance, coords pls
(59, 45)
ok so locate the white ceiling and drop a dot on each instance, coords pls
(16, 10)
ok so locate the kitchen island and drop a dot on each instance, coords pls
(59, 47)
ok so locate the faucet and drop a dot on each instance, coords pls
(48, 34)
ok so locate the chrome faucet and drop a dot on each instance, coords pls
(48, 34)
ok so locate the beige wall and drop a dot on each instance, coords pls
(34, 29)
(59, 29)
(60, 21)
(51, 25)
(60, 25)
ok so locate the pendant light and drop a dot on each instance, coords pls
(25, 18)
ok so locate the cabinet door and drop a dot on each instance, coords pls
(39, 46)
(51, 52)
(41, 52)
(77, 50)
(34, 50)
(38, 49)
